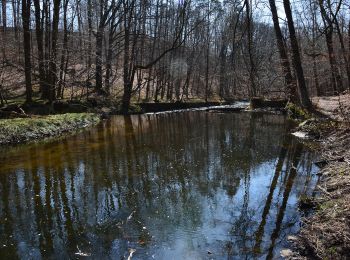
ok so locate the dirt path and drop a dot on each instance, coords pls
(336, 107)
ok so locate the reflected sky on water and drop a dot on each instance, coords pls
(191, 185)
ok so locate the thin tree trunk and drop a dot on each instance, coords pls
(252, 69)
(89, 48)
(4, 15)
(126, 76)
(314, 62)
(4, 27)
(336, 80)
(53, 56)
(64, 51)
(343, 50)
(109, 61)
(15, 17)
(328, 24)
(98, 72)
(26, 48)
(39, 40)
(222, 56)
(207, 55)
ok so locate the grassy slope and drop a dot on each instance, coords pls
(27, 129)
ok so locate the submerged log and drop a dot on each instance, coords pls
(261, 103)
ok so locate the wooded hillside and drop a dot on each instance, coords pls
(170, 50)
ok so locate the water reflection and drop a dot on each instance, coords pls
(191, 185)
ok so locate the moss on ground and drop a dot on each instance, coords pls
(21, 130)
(135, 109)
(296, 112)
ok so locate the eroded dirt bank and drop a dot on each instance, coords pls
(326, 233)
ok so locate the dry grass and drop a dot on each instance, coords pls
(326, 234)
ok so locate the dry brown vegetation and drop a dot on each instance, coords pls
(326, 233)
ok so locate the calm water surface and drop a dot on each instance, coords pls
(191, 185)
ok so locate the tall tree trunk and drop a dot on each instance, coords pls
(207, 75)
(109, 55)
(4, 14)
(53, 56)
(314, 71)
(222, 77)
(64, 51)
(252, 69)
(343, 49)
(207, 55)
(328, 24)
(26, 48)
(335, 79)
(98, 72)
(4, 27)
(46, 23)
(128, 68)
(126, 72)
(313, 9)
(15, 17)
(349, 42)
(288, 77)
(39, 39)
(304, 96)
(89, 48)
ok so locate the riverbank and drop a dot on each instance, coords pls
(326, 233)
(23, 123)
(98, 106)
(22, 130)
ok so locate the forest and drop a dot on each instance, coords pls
(174, 129)
(158, 51)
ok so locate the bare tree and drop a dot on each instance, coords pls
(27, 49)
(289, 80)
(304, 96)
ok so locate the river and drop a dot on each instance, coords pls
(187, 185)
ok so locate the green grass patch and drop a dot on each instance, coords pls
(20, 130)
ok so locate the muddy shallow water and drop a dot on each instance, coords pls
(190, 185)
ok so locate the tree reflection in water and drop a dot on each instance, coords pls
(171, 185)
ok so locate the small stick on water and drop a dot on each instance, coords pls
(130, 216)
(80, 253)
(131, 252)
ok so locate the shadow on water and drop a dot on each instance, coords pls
(190, 185)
